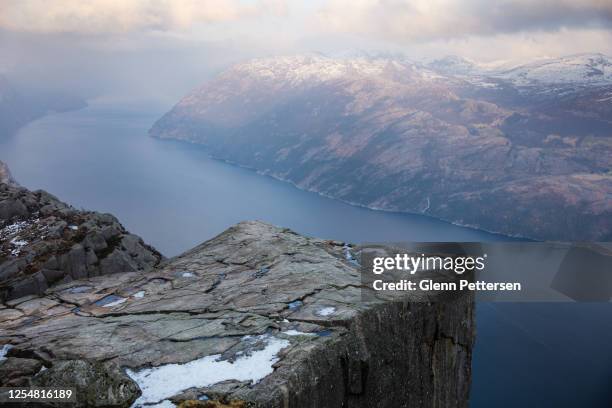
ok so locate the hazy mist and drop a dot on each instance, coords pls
(155, 51)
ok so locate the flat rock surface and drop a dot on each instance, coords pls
(258, 316)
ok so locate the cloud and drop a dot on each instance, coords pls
(424, 20)
(121, 16)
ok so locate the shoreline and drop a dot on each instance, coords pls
(266, 173)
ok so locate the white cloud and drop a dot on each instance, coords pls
(120, 16)
(409, 21)
(519, 47)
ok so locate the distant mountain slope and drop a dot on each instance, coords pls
(585, 69)
(17, 107)
(453, 65)
(582, 68)
(478, 149)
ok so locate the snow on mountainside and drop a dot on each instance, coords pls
(586, 69)
(453, 65)
(296, 70)
(582, 68)
(311, 70)
(478, 149)
(247, 90)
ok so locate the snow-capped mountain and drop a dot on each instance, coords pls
(583, 69)
(586, 69)
(454, 65)
(309, 69)
(268, 82)
(470, 147)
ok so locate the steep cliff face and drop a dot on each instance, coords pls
(256, 317)
(44, 241)
(525, 151)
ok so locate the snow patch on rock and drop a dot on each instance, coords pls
(326, 311)
(293, 332)
(5, 350)
(18, 244)
(159, 383)
(110, 301)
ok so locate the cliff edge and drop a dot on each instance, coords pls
(44, 242)
(258, 316)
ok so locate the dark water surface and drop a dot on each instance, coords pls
(175, 197)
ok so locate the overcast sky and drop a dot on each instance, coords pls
(159, 49)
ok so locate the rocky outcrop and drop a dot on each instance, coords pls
(96, 384)
(256, 317)
(5, 175)
(506, 152)
(44, 241)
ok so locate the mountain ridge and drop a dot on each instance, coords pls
(393, 135)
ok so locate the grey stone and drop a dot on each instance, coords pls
(117, 261)
(49, 209)
(41, 282)
(106, 218)
(110, 231)
(25, 286)
(13, 208)
(74, 262)
(51, 263)
(214, 300)
(52, 275)
(96, 384)
(52, 236)
(16, 372)
(92, 259)
(95, 241)
(56, 230)
(10, 268)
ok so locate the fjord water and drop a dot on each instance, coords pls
(175, 197)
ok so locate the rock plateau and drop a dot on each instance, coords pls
(258, 316)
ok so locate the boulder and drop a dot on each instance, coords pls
(96, 384)
(16, 372)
